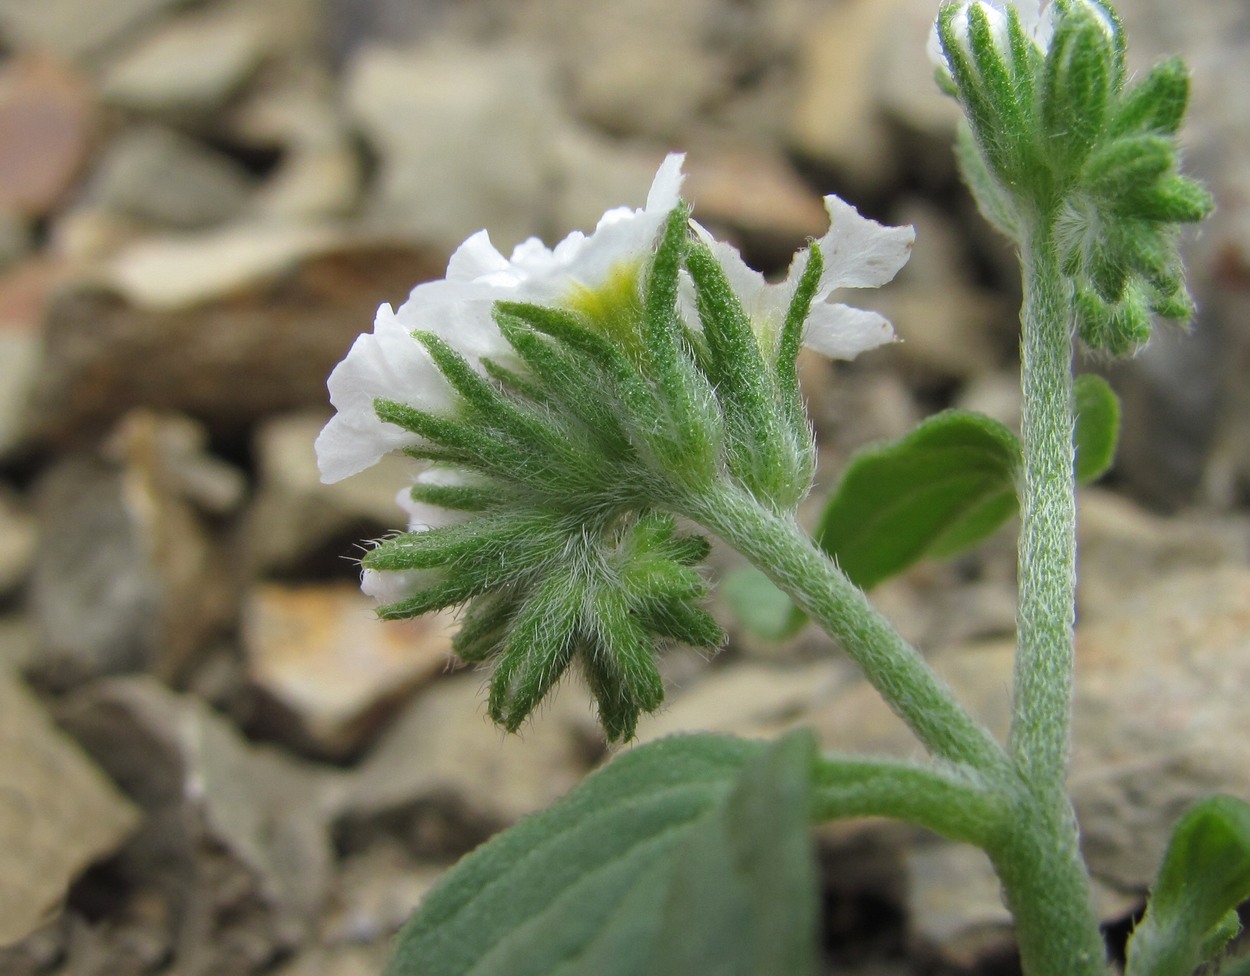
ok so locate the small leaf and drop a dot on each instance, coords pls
(592, 884)
(1097, 427)
(759, 606)
(942, 488)
(1205, 875)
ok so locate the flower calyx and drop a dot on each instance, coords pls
(1057, 137)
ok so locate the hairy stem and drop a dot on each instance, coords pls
(790, 559)
(1044, 877)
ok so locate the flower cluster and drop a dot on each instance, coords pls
(1057, 138)
(568, 403)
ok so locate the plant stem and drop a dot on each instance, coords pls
(790, 559)
(1047, 549)
(1044, 877)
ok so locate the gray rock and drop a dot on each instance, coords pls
(17, 541)
(190, 64)
(463, 137)
(234, 840)
(58, 813)
(333, 669)
(159, 176)
(442, 754)
(126, 577)
(69, 30)
(253, 328)
(1160, 718)
(293, 514)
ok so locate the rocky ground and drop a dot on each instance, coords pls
(213, 759)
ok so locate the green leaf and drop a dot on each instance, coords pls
(595, 883)
(759, 606)
(742, 901)
(1205, 875)
(1097, 427)
(942, 488)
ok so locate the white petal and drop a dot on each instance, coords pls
(842, 332)
(384, 364)
(858, 252)
(348, 445)
(666, 187)
(474, 258)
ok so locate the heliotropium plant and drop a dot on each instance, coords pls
(577, 415)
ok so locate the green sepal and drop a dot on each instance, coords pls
(940, 489)
(459, 498)
(682, 622)
(663, 331)
(1204, 876)
(762, 450)
(446, 591)
(570, 383)
(1120, 329)
(490, 540)
(538, 649)
(1078, 83)
(1174, 199)
(1123, 166)
(994, 203)
(484, 624)
(790, 342)
(1097, 426)
(1156, 104)
(454, 442)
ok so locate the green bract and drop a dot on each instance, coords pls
(1058, 140)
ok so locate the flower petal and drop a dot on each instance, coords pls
(858, 252)
(842, 332)
(389, 364)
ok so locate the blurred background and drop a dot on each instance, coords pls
(213, 760)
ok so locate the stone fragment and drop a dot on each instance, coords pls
(62, 26)
(24, 291)
(835, 117)
(126, 576)
(158, 176)
(1125, 549)
(17, 541)
(234, 843)
(1160, 715)
(758, 197)
(58, 813)
(293, 515)
(644, 68)
(332, 667)
(955, 905)
(752, 700)
(442, 755)
(46, 127)
(462, 134)
(190, 64)
(266, 322)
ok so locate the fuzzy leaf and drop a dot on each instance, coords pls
(1097, 426)
(945, 486)
(595, 883)
(760, 606)
(1205, 875)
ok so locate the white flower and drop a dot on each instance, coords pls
(857, 252)
(390, 364)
